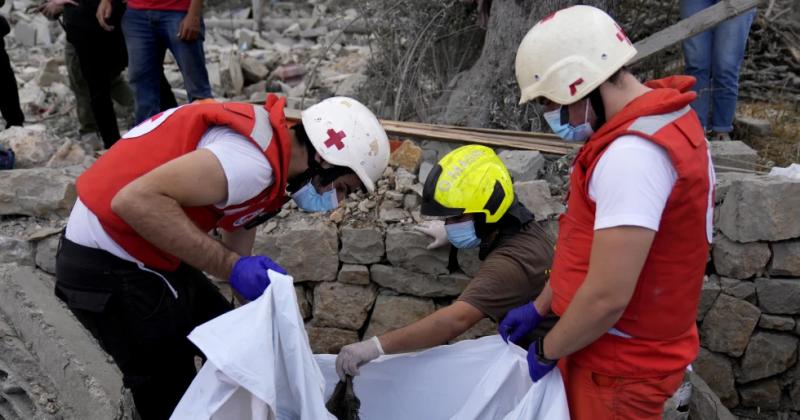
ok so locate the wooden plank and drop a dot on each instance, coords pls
(691, 26)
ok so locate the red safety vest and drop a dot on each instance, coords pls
(659, 320)
(172, 134)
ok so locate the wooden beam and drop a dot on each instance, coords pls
(691, 26)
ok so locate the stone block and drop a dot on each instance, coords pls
(342, 305)
(732, 154)
(740, 289)
(761, 209)
(753, 126)
(775, 322)
(523, 165)
(704, 404)
(32, 145)
(49, 73)
(406, 248)
(69, 154)
(763, 395)
(535, 195)
(253, 70)
(350, 85)
(85, 378)
(404, 180)
(424, 170)
(785, 259)
(708, 295)
(794, 396)
(329, 340)
(411, 283)
(46, 254)
(25, 33)
(411, 201)
(433, 150)
(737, 260)
(482, 328)
(779, 296)
(767, 354)
(302, 301)
(393, 215)
(393, 312)
(36, 192)
(14, 250)
(306, 245)
(407, 156)
(728, 324)
(468, 261)
(361, 245)
(354, 274)
(717, 371)
(724, 182)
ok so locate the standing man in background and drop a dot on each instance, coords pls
(714, 58)
(9, 99)
(151, 27)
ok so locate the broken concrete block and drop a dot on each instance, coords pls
(31, 144)
(350, 85)
(36, 192)
(785, 259)
(737, 260)
(46, 253)
(740, 289)
(289, 72)
(717, 371)
(49, 73)
(535, 195)
(704, 404)
(767, 354)
(732, 154)
(32, 98)
(254, 71)
(25, 33)
(15, 250)
(753, 126)
(407, 249)
(86, 379)
(727, 326)
(761, 209)
(775, 322)
(392, 215)
(393, 312)
(68, 154)
(424, 169)
(523, 165)
(779, 296)
(404, 180)
(306, 245)
(354, 274)
(361, 245)
(231, 77)
(340, 305)
(407, 156)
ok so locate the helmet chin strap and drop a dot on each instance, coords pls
(326, 175)
(599, 109)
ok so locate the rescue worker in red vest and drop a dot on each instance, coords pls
(131, 262)
(633, 243)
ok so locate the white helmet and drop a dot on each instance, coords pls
(568, 54)
(345, 133)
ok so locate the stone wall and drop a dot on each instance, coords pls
(363, 270)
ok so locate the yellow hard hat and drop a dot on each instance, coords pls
(470, 179)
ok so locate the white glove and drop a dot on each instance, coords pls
(435, 229)
(354, 355)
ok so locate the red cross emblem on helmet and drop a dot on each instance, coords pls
(335, 139)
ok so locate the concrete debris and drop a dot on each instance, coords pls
(314, 235)
(732, 154)
(740, 261)
(36, 192)
(779, 296)
(14, 250)
(342, 305)
(767, 354)
(392, 312)
(761, 209)
(407, 156)
(407, 248)
(32, 145)
(753, 126)
(354, 274)
(717, 370)
(728, 324)
(785, 259)
(535, 195)
(361, 245)
(524, 165)
(329, 340)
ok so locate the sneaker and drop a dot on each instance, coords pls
(717, 136)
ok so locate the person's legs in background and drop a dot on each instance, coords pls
(190, 56)
(145, 58)
(168, 100)
(730, 41)
(78, 85)
(9, 99)
(697, 55)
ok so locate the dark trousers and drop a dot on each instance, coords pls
(102, 57)
(138, 321)
(9, 97)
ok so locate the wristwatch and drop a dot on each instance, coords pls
(540, 352)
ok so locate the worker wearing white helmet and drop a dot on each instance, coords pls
(137, 243)
(634, 241)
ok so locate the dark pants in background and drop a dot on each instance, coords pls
(9, 97)
(138, 321)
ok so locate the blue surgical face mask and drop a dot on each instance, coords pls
(462, 234)
(308, 199)
(567, 131)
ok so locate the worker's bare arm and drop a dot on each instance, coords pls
(435, 329)
(618, 255)
(151, 205)
(240, 240)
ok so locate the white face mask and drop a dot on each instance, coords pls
(567, 131)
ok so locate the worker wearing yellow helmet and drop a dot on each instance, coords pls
(472, 191)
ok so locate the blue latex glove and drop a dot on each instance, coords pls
(249, 276)
(537, 368)
(518, 322)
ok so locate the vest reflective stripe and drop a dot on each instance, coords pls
(653, 123)
(262, 130)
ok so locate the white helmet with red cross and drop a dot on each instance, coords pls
(345, 133)
(568, 54)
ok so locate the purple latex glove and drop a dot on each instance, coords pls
(518, 322)
(537, 365)
(249, 276)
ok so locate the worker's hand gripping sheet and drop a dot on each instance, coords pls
(260, 366)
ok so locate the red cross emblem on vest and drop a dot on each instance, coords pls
(335, 139)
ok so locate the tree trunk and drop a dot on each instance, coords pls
(487, 94)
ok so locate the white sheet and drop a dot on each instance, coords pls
(260, 366)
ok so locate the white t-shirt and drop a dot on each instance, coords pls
(631, 184)
(247, 170)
